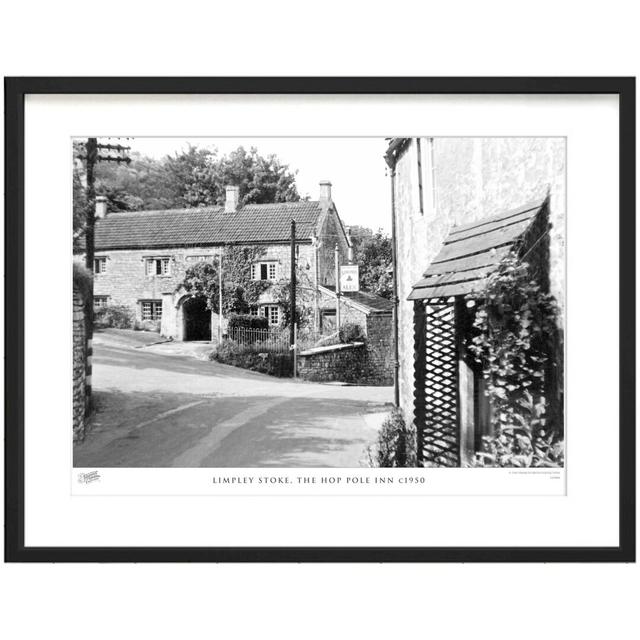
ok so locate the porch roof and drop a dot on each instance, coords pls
(472, 252)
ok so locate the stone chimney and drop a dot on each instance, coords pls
(101, 207)
(325, 191)
(350, 248)
(232, 199)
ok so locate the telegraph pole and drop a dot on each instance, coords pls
(337, 261)
(90, 212)
(292, 329)
(94, 153)
(220, 297)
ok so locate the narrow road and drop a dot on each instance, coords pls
(158, 406)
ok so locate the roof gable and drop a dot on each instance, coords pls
(253, 223)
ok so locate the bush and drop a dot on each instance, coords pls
(82, 280)
(147, 325)
(395, 445)
(351, 332)
(227, 351)
(116, 316)
(516, 448)
(247, 321)
(274, 364)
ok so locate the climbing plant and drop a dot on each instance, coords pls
(305, 293)
(239, 290)
(512, 338)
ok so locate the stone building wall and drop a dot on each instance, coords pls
(126, 283)
(79, 363)
(331, 233)
(464, 180)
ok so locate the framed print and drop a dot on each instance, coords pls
(320, 319)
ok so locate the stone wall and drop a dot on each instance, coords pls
(378, 329)
(372, 364)
(471, 178)
(79, 363)
(336, 363)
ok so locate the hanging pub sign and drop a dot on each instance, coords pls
(349, 278)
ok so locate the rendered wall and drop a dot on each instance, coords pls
(472, 178)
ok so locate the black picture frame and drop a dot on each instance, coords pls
(15, 91)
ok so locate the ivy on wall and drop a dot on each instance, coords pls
(305, 294)
(239, 290)
(513, 331)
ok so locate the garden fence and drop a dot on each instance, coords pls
(277, 340)
(260, 340)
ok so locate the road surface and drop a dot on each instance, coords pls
(160, 406)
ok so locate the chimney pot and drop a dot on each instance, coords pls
(232, 199)
(101, 207)
(350, 245)
(325, 191)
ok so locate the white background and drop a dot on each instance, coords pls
(489, 38)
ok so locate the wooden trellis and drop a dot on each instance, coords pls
(441, 439)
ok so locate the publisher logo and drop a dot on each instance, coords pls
(87, 478)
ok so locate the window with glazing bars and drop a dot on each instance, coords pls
(99, 265)
(151, 309)
(264, 271)
(274, 315)
(158, 266)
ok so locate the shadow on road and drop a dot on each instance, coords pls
(155, 429)
(140, 360)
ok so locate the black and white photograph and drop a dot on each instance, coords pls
(318, 302)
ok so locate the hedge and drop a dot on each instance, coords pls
(247, 321)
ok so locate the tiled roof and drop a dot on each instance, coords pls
(472, 252)
(371, 301)
(207, 226)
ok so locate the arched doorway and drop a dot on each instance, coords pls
(197, 319)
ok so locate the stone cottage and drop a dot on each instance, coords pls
(457, 199)
(141, 257)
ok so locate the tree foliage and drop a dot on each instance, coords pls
(194, 177)
(372, 252)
